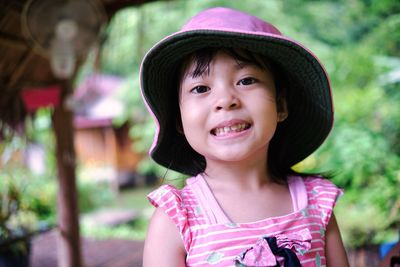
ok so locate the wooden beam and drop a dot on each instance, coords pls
(69, 245)
(21, 66)
(111, 155)
(13, 41)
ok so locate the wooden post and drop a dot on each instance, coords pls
(69, 247)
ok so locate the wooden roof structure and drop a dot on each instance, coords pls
(20, 64)
(22, 67)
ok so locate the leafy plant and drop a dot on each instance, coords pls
(16, 220)
(26, 201)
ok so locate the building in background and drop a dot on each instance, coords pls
(104, 150)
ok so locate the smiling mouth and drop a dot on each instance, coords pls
(236, 128)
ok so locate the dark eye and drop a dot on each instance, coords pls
(247, 81)
(201, 89)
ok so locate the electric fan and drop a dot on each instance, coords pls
(63, 30)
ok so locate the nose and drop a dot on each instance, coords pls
(227, 101)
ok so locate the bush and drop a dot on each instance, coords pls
(93, 195)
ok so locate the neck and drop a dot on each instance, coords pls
(246, 174)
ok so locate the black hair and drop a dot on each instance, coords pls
(277, 163)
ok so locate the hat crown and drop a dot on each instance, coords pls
(226, 19)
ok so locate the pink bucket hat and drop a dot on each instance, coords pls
(309, 95)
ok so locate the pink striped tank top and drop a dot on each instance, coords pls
(211, 239)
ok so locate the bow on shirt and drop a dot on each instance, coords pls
(265, 252)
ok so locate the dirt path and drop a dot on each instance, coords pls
(96, 253)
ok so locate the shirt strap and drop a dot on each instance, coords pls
(209, 205)
(298, 193)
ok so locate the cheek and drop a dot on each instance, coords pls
(194, 124)
(191, 117)
(263, 103)
(192, 131)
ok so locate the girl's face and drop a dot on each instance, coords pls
(229, 112)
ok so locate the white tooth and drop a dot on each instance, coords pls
(227, 129)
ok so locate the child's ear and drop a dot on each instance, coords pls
(282, 109)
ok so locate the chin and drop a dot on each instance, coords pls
(229, 157)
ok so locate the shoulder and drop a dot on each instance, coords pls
(174, 202)
(163, 244)
(176, 206)
(320, 185)
(322, 195)
(318, 181)
(167, 195)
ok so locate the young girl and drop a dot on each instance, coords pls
(237, 104)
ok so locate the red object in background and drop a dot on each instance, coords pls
(35, 98)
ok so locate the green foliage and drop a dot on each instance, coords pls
(93, 195)
(363, 148)
(18, 218)
(358, 42)
(28, 200)
(132, 198)
(135, 230)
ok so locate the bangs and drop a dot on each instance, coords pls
(201, 60)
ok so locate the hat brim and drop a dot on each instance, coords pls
(310, 110)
